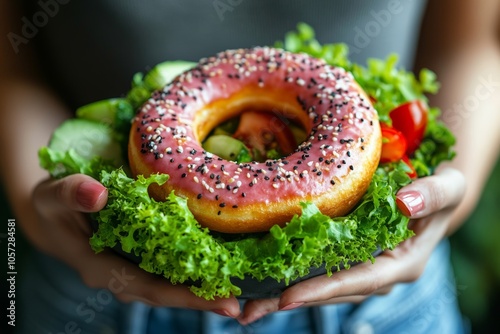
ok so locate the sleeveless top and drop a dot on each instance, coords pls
(89, 50)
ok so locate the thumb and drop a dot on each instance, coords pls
(76, 192)
(431, 194)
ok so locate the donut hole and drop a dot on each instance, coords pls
(267, 126)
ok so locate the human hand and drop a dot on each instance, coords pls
(429, 202)
(64, 233)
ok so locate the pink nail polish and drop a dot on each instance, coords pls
(88, 194)
(291, 306)
(410, 202)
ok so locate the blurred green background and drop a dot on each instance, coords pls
(476, 258)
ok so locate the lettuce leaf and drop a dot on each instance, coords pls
(170, 242)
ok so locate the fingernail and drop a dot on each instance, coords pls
(88, 194)
(291, 306)
(245, 320)
(410, 202)
(222, 312)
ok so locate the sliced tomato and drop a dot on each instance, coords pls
(411, 119)
(265, 131)
(413, 173)
(393, 144)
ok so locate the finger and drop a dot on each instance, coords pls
(256, 309)
(76, 192)
(359, 280)
(431, 194)
(356, 283)
(405, 263)
(130, 283)
(384, 290)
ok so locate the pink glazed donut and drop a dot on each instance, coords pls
(332, 168)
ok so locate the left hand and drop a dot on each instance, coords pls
(430, 202)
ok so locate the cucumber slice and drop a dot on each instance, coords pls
(165, 72)
(115, 112)
(159, 76)
(298, 133)
(227, 148)
(88, 139)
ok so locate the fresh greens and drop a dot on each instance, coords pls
(170, 242)
(159, 76)
(113, 112)
(228, 148)
(77, 145)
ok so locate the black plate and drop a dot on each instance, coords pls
(252, 288)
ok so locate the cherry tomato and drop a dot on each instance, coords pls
(413, 173)
(411, 119)
(265, 131)
(393, 144)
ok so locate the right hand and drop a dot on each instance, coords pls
(61, 206)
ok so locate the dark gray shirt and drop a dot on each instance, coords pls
(91, 49)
